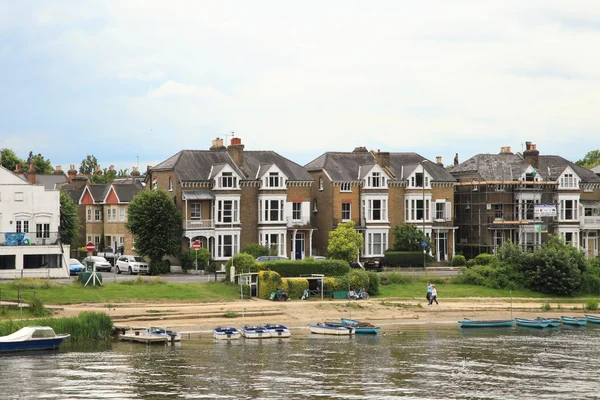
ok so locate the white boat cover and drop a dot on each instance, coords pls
(29, 332)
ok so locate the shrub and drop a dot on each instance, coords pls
(255, 250)
(295, 268)
(158, 267)
(546, 307)
(374, 281)
(403, 258)
(37, 307)
(394, 278)
(296, 287)
(458, 260)
(592, 305)
(242, 262)
(471, 263)
(485, 259)
(33, 283)
(269, 282)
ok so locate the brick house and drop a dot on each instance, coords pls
(525, 198)
(381, 190)
(230, 197)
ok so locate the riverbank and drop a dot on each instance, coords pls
(391, 313)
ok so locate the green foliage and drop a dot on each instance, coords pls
(269, 282)
(230, 314)
(143, 281)
(403, 258)
(458, 260)
(40, 164)
(242, 262)
(591, 277)
(69, 219)
(493, 276)
(10, 160)
(408, 237)
(592, 305)
(471, 263)
(158, 267)
(374, 282)
(591, 159)
(256, 250)
(36, 305)
(345, 243)
(546, 307)
(88, 165)
(394, 278)
(293, 268)
(33, 283)
(205, 260)
(296, 287)
(485, 259)
(155, 223)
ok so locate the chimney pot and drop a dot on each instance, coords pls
(438, 159)
(217, 144)
(19, 169)
(236, 141)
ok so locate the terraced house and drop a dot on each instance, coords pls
(230, 197)
(525, 198)
(381, 190)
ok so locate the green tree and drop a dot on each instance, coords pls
(69, 219)
(408, 237)
(40, 164)
(155, 223)
(345, 243)
(256, 250)
(88, 165)
(591, 159)
(9, 160)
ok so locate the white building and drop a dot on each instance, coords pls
(29, 221)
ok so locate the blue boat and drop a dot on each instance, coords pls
(32, 338)
(532, 323)
(467, 323)
(552, 322)
(363, 328)
(577, 321)
(593, 319)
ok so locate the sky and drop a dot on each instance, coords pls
(134, 82)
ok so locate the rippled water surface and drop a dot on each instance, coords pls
(427, 362)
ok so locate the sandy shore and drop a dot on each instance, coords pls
(387, 313)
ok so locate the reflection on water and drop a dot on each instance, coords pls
(418, 363)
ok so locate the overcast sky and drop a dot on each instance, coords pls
(144, 79)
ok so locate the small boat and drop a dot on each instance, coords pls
(254, 332)
(278, 330)
(32, 338)
(593, 319)
(552, 322)
(467, 323)
(226, 333)
(577, 321)
(151, 335)
(333, 328)
(363, 328)
(532, 323)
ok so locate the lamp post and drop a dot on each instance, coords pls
(424, 235)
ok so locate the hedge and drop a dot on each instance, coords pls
(294, 268)
(270, 281)
(403, 259)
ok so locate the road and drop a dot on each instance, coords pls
(178, 278)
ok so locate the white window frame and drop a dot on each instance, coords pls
(562, 206)
(346, 187)
(220, 211)
(89, 214)
(264, 209)
(296, 211)
(170, 184)
(411, 207)
(320, 183)
(265, 239)
(371, 241)
(348, 217)
(97, 214)
(196, 214)
(220, 244)
(368, 207)
(19, 196)
(122, 214)
(228, 180)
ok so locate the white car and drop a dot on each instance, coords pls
(132, 264)
(99, 262)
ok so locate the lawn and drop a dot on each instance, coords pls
(121, 292)
(418, 290)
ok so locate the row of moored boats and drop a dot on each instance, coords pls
(538, 322)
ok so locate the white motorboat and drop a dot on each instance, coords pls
(254, 332)
(32, 338)
(278, 330)
(327, 329)
(226, 333)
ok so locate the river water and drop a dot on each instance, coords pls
(414, 362)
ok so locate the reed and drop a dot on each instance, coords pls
(87, 325)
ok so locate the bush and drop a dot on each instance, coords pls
(296, 287)
(37, 307)
(458, 260)
(269, 282)
(294, 268)
(158, 267)
(471, 263)
(374, 281)
(394, 278)
(242, 262)
(496, 277)
(485, 259)
(255, 250)
(592, 305)
(403, 259)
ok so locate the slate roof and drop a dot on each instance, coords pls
(75, 194)
(195, 165)
(98, 191)
(595, 169)
(410, 161)
(509, 167)
(125, 193)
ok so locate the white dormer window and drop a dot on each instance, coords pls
(376, 180)
(418, 179)
(227, 180)
(569, 180)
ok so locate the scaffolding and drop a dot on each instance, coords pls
(490, 213)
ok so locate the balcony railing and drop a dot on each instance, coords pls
(193, 224)
(304, 222)
(595, 220)
(28, 238)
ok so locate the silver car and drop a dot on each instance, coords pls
(132, 264)
(99, 262)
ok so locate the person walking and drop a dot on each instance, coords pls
(434, 296)
(429, 289)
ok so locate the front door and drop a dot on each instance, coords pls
(299, 247)
(442, 246)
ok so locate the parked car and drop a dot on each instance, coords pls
(357, 265)
(132, 264)
(100, 263)
(108, 253)
(270, 258)
(374, 264)
(75, 267)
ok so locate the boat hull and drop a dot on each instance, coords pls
(361, 328)
(553, 322)
(255, 333)
(573, 321)
(467, 323)
(278, 331)
(226, 333)
(593, 319)
(532, 323)
(36, 344)
(326, 329)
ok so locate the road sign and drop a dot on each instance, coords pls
(90, 247)
(196, 246)
(424, 244)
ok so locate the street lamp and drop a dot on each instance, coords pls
(424, 235)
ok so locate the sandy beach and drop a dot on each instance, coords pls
(390, 314)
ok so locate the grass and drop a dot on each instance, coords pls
(417, 290)
(114, 293)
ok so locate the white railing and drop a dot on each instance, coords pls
(595, 220)
(295, 222)
(28, 238)
(192, 224)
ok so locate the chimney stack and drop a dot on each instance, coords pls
(72, 172)
(438, 161)
(382, 158)
(217, 145)
(31, 174)
(531, 155)
(505, 150)
(58, 170)
(236, 151)
(135, 172)
(19, 170)
(360, 149)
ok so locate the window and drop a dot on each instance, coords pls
(97, 241)
(89, 238)
(114, 214)
(376, 243)
(228, 180)
(97, 214)
(443, 211)
(274, 180)
(122, 214)
(196, 211)
(274, 241)
(314, 205)
(526, 209)
(271, 210)
(417, 180)
(227, 245)
(227, 211)
(568, 210)
(155, 184)
(22, 226)
(18, 196)
(170, 184)
(345, 187)
(414, 210)
(121, 240)
(89, 214)
(320, 183)
(376, 180)
(42, 231)
(499, 211)
(569, 238)
(346, 212)
(568, 181)
(297, 211)
(592, 212)
(375, 209)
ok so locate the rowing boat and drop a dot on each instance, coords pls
(467, 323)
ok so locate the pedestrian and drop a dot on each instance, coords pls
(434, 296)
(428, 297)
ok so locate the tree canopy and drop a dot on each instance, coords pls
(155, 223)
(88, 165)
(40, 164)
(591, 159)
(345, 243)
(69, 219)
(10, 160)
(409, 238)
